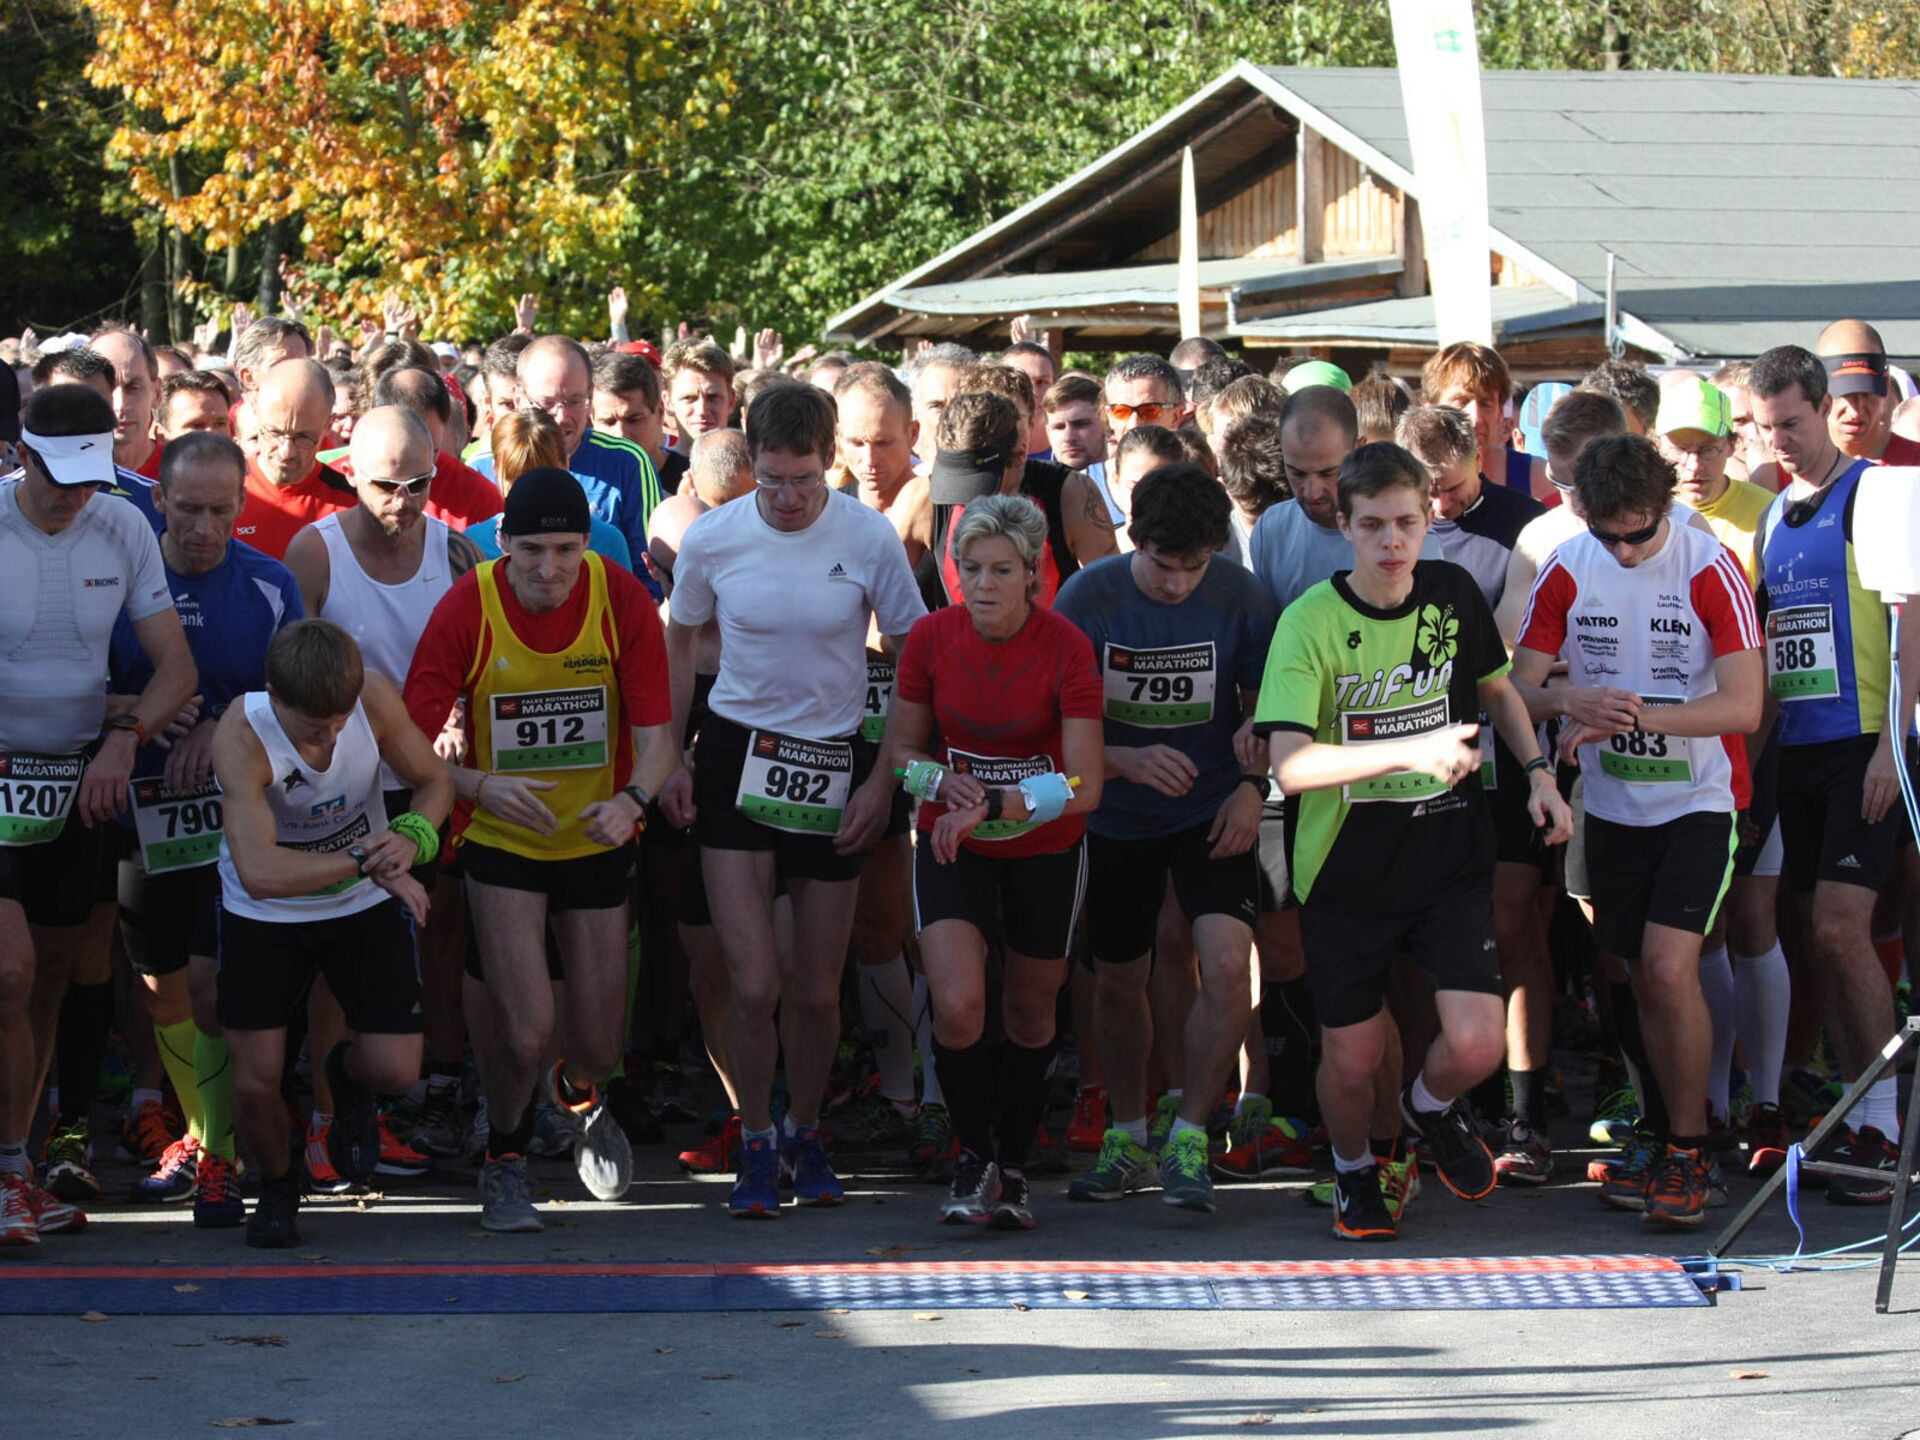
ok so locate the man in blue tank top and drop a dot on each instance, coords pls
(1828, 670)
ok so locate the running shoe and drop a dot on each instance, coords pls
(441, 1129)
(1183, 1172)
(602, 1158)
(1525, 1158)
(1805, 1097)
(1676, 1192)
(756, 1191)
(273, 1224)
(552, 1132)
(64, 1159)
(976, 1187)
(175, 1179)
(146, 1134)
(1623, 1182)
(399, 1158)
(805, 1166)
(506, 1197)
(1160, 1123)
(216, 1200)
(932, 1137)
(1399, 1185)
(1014, 1209)
(1045, 1157)
(1360, 1210)
(1124, 1166)
(353, 1137)
(17, 1226)
(52, 1215)
(632, 1108)
(719, 1155)
(1766, 1139)
(1460, 1157)
(1723, 1137)
(1871, 1149)
(1613, 1117)
(322, 1177)
(1259, 1146)
(669, 1102)
(1089, 1122)
(869, 1121)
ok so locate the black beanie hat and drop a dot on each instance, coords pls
(546, 500)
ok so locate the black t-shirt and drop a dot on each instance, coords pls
(670, 471)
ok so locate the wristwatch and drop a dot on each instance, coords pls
(358, 854)
(1262, 783)
(1538, 762)
(638, 796)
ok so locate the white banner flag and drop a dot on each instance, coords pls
(1439, 59)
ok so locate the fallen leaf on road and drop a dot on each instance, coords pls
(789, 1324)
(1262, 1419)
(841, 1311)
(275, 1341)
(924, 1316)
(92, 1315)
(663, 1349)
(1749, 1374)
(1018, 1306)
(246, 1422)
(829, 1334)
(894, 1252)
(146, 1377)
(186, 1289)
(189, 1344)
(725, 1375)
(313, 1257)
(1076, 1294)
(507, 1379)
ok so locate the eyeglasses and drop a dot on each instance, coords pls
(415, 485)
(552, 404)
(1632, 537)
(290, 439)
(808, 485)
(1148, 413)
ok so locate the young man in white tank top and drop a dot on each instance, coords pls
(377, 570)
(315, 876)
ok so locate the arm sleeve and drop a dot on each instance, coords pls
(1721, 598)
(147, 590)
(894, 594)
(913, 671)
(693, 601)
(1293, 689)
(443, 656)
(1544, 626)
(1081, 697)
(645, 689)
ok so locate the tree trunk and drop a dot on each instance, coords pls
(153, 289)
(272, 246)
(179, 322)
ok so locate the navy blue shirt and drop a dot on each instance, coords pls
(1171, 675)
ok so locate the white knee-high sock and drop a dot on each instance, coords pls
(1716, 983)
(886, 1007)
(1763, 996)
(930, 1091)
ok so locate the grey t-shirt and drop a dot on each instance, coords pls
(1291, 554)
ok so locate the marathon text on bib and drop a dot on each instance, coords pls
(1377, 727)
(1642, 759)
(36, 792)
(177, 831)
(345, 838)
(873, 723)
(550, 729)
(1170, 686)
(800, 786)
(1802, 662)
(998, 772)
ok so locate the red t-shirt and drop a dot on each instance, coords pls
(150, 467)
(445, 655)
(1901, 451)
(459, 495)
(272, 517)
(1001, 700)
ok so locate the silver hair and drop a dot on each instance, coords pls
(1014, 516)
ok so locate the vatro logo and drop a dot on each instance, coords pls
(1439, 634)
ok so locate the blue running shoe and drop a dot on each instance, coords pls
(216, 1200)
(756, 1193)
(804, 1163)
(176, 1178)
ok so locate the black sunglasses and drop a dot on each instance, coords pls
(1632, 537)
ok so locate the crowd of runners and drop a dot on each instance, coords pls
(414, 755)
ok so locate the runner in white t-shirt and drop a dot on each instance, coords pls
(1657, 617)
(783, 782)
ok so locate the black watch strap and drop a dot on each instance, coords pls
(1261, 783)
(1538, 762)
(638, 796)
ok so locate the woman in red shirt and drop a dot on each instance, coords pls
(996, 705)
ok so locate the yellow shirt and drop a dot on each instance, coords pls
(1735, 521)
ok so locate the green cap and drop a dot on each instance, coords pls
(1316, 372)
(1693, 404)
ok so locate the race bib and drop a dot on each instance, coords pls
(1489, 771)
(36, 792)
(1378, 727)
(1802, 662)
(800, 786)
(1172, 686)
(873, 722)
(1642, 759)
(550, 730)
(177, 832)
(345, 838)
(998, 772)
